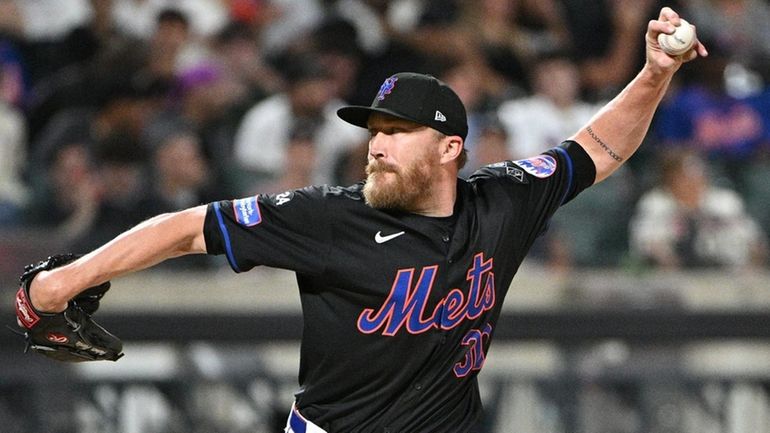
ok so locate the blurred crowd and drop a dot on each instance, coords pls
(112, 111)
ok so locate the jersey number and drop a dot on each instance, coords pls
(474, 357)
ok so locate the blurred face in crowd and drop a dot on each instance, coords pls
(71, 174)
(403, 156)
(170, 35)
(180, 162)
(558, 79)
(129, 114)
(310, 96)
(467, 80)
(498, 8)
(492, 146)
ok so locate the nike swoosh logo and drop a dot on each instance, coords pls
(379, 238)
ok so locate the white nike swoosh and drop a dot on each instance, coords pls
(379, 238)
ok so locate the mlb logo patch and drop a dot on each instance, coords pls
(516, 174)
(246, 211)
(540, 166)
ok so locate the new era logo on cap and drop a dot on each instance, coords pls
(417, 97)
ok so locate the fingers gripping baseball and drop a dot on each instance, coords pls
(667, 41)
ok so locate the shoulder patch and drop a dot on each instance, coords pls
(540, 166)
(515, 173)
(503, 169)
(247, 212)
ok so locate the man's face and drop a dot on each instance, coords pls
(403, 157)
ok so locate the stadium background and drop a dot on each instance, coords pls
(112, 111)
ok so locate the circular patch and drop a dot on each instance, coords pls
(540, 166)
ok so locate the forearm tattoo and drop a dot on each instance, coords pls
(604, 146)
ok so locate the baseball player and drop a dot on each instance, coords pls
(401, 277)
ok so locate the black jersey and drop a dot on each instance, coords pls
(399, 309)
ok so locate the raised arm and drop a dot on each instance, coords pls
(617, 130)
(149, 243)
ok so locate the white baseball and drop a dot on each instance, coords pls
(680, 42)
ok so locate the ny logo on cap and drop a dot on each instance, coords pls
(386, 88)
(440, 116)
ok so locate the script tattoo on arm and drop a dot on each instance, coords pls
(604, 146)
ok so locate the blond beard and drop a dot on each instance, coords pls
(408, 187)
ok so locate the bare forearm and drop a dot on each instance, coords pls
(151, 242)
(617, 130)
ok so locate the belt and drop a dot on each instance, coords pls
(298, 424)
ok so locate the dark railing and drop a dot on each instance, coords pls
(622, 363)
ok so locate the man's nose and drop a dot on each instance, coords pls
(378, 145)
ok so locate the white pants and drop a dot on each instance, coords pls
(298, 424)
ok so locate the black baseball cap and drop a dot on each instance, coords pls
(417, 97)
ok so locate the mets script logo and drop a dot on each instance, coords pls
(405, 305)
(539, 166)
(386, 88)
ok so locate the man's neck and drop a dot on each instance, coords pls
(441, 199)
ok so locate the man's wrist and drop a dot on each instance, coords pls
(44, 295)
(657, 72)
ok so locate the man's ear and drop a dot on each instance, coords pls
(451, 149)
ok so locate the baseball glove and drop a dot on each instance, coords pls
(71, 335)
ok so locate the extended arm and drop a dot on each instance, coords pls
(617, 130)
(149, 243)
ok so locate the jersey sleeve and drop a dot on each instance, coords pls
(536, 187)
(288, 230)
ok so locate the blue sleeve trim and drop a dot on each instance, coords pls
(570, 174)
(226, 237)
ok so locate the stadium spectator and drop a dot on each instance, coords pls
(13, 191)
(336, 42)
(287, 21)
(510, 34)
(687, 222)
(536, 122)
(301, 156)
(171, 47)
(236, 52)
(138, 18)
(604, 32)
(66, 191)
(47, 21)
(735, 27)
(120, 198)
(473, 82)
(264, 133)
(12, 71)
(490, 145)
(207, 99)
(118, 103)
(180, 178)
(702, 115)
(179, 169)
